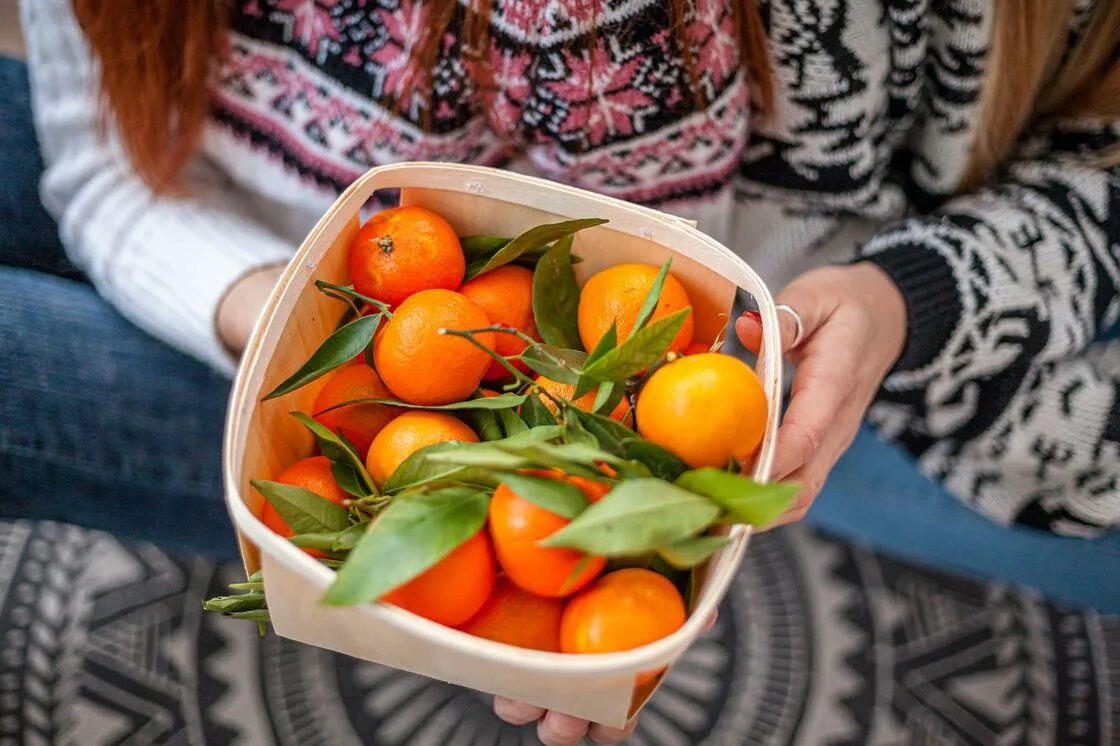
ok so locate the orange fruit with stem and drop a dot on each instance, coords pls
(585, 402)
(519, 618)
(419, 362)
(402, 251)
(312, 474)
(360, 423)
(705, 408)
(517, 525)
(622, 610)
(409, 433)
(615, 296)
(455, 588)
(506, 295)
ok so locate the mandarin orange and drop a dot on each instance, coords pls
(312, 474)
(517, 525)
(622, 610)
(422, 365)
(506, 295)
(360, 423)
(455, 588)
(585, 402)
(406, 435)
(705, 408)
(516, 617)
(402, 251)
(615, 296)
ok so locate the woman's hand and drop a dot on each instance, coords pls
(558, 729)
(242, 305)
(854, 330)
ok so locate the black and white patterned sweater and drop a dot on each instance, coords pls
(1002, 393)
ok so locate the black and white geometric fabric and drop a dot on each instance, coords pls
(817, 643)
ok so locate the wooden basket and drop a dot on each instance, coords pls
(261, 438)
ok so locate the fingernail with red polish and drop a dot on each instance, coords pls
(753, 315)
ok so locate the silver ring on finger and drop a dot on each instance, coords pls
(798, 323)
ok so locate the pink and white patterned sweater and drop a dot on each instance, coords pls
(1004, 392)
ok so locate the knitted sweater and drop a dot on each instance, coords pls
(1001, 392)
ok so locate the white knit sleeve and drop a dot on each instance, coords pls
(165, 263)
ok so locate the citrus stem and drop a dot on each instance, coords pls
(370, 505)
(349, 291)
(500, 328)
(468, 334)
(345, 299)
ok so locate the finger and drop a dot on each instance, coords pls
(748, 328)
(516, 713)
(812, 476)
(558, 729)
(606, 735)
(821, 390)
(813, 308)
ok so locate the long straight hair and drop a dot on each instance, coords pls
(156, 57)
(1031, 77)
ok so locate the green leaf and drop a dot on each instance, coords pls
(332, 541)
(530, 240)
(561, 498)
(556, 297)
(536, 413)
(638, 515)
(349, 479)
(649, 305)
(744, 500)
(558, 363)
(501, 401)
(485, 423)
(575, 432)
(608, 397)
(640, 351)
(606, 343)
(476, 246)
(538, 434)
(511, 423)
(690, 552)
(340, 451)
(530, 258)
(303, 510)
(419, 468)
(338, 349)
(485, 456)
(583, 456)
(663, 463)
(239, 604)
(410, 536)
(610, 433)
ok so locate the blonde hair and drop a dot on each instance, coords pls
(1033, 80)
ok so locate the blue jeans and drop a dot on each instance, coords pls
(100, 424)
